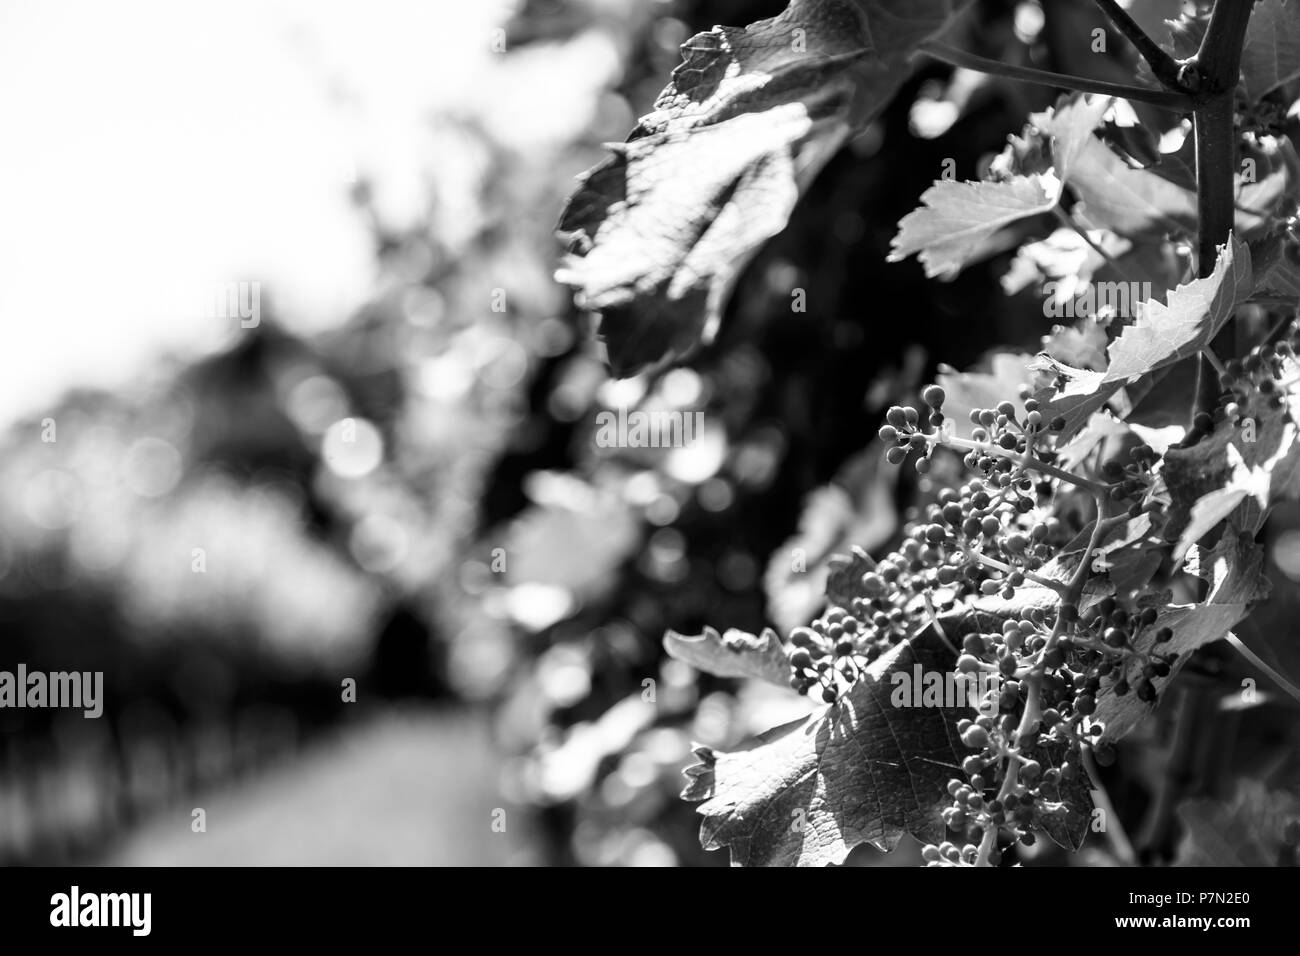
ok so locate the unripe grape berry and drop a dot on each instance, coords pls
(933, 396)
(896, 455)
(829, 695)
(975, 737)
(888, 434)
(801, 659)
(1164, 635)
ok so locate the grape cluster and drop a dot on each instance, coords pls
(1073, 656)
(991, 536)
(1256, 377)
(1133, 479)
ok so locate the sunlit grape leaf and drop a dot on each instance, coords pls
(866, 770)
(1116, 196)
(1163, 333)
(733, 654)
(1248, 830)
(1193, 314)
(1234, 571)
(660, 230)
(956, 219)
(862, 771)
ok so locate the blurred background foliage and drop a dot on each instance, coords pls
(410, 496)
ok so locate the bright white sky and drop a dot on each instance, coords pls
(151, 149)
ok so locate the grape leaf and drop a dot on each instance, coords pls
(733, 654)
(659, 231)
(955, 220)
(1179, 328)
(1162, 334)
(1115, 196)
(862, 771)
(1234, 570)
(866, 770)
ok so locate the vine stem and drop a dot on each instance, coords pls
(1067, 220)
(1176, 101)
(1025, 461)
(1029, 720)
(1246, 652)
(1120, 844)
(988, 562)
(1219, 63)
(1164, 66)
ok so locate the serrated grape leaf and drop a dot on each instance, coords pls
(659, 231)
(866, 770)
(1248, 830)
(955, 221)
(1234, 570)
(862, 771)
(733, 654)
(1115, 196)
(1166, 332)
(1162, 334)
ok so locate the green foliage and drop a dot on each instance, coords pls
(1085, 522)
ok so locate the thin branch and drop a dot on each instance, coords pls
(1162, 64)
(1178, 102)
(1025, 461)
(1214, 360)
(1068, 220)
(1255, 659)
(1120, 845)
